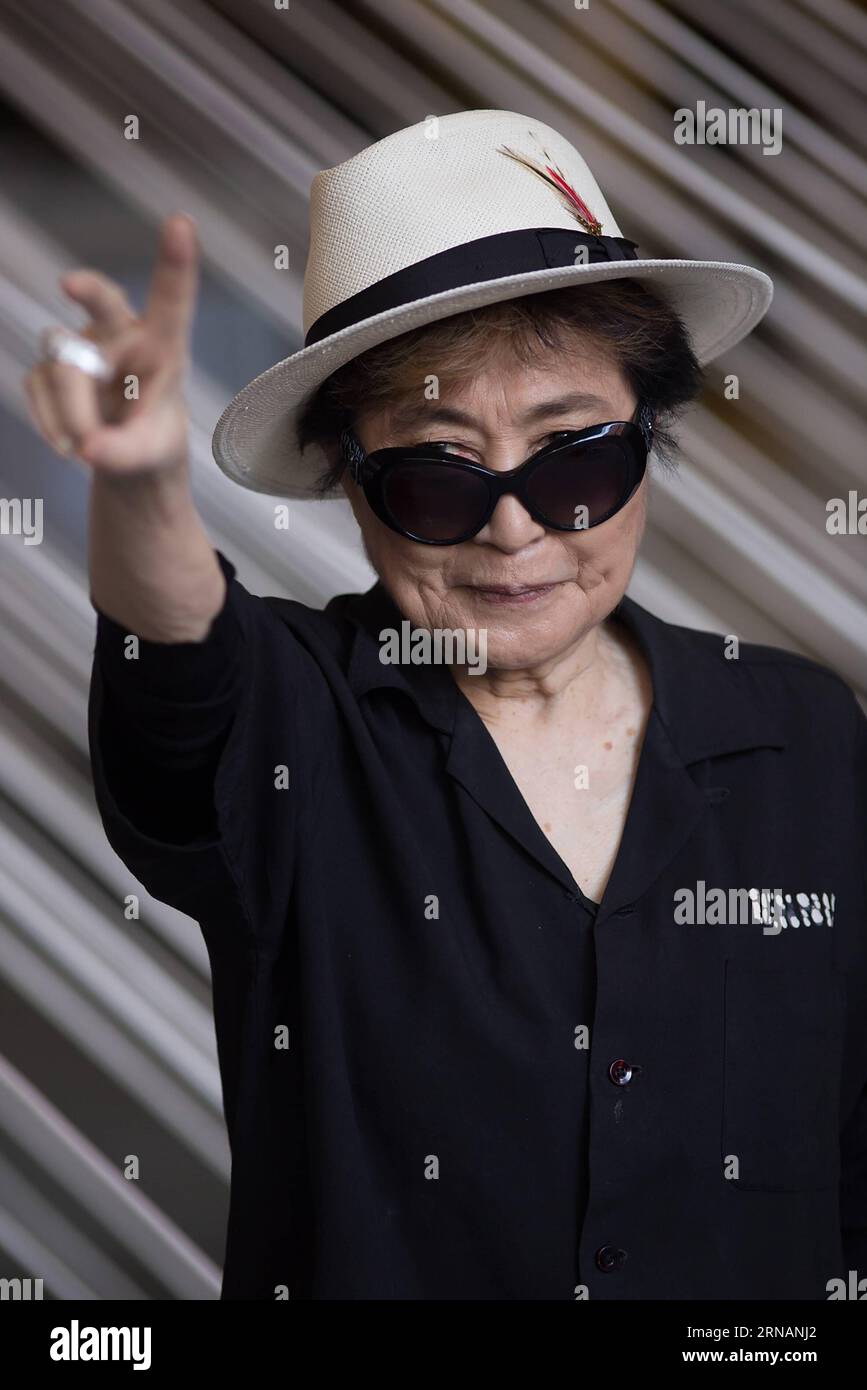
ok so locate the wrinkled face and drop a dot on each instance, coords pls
(498, 419)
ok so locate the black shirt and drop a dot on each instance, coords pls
(445, 1075)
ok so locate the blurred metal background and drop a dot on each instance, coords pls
(106, 1038)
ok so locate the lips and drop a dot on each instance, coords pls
(510, 590)
(512, 595)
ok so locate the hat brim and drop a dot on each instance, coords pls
(254, 442)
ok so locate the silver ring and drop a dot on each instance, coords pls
(60, 345)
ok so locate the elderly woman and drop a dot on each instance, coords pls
(540, 968)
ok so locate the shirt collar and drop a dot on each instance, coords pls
(431, 687)
(710, 705)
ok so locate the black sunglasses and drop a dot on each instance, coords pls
(579, 480)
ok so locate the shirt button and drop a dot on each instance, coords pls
(620, 1072)
(609, 1258)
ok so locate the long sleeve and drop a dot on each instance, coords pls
(165, 718)
(206, 762)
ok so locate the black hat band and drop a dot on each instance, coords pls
(488, 258)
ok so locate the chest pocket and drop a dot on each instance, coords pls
(783, 1043)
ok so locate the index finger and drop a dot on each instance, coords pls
(172, 296)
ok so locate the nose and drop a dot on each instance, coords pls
(510, 527)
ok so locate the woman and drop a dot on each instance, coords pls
(539, 969)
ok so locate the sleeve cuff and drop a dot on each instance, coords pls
(177, 671)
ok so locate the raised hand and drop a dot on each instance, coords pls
(137, 422)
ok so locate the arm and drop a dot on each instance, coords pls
(162, 707)
(153, 569)
(186, 736)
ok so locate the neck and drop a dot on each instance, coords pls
(576, 683)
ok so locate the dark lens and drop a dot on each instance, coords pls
(593, 476)
(434, 501)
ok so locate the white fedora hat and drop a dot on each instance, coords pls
(450, 214)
